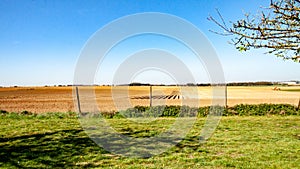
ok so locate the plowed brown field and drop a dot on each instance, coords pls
(60, 99)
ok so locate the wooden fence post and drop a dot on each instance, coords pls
(226, 101)
(78, 101)
(298, 105)
(150, 97)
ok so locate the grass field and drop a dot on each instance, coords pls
(56, 140)
(59, 99)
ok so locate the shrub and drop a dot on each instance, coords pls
(25, 112)
(3, 112)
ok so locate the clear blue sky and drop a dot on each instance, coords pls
(40, 41)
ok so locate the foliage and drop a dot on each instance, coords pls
(27, 114)
(276, 29)
(263, 109)
(186, 111)
(174, 111)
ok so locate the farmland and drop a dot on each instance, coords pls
(60, 99)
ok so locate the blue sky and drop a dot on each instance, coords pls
(40, 41)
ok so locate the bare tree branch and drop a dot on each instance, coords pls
(278, 31)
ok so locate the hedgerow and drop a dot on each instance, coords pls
(186, 111)
(176, 111)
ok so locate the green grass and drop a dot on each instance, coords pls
(290, 90)
(58, 141)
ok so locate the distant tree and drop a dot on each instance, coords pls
(139, 84)
(191, 84)
(276, 28)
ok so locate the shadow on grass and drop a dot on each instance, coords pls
(66, 149)
(56, 149)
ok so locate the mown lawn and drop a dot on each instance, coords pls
(58, 141)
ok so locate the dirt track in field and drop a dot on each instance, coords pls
(60, 99)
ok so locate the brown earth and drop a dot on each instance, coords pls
(60, 99)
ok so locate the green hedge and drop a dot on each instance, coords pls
(265, 109)
(185, 111)
(50, 115)
(179, 111)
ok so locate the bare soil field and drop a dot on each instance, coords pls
(60, 99)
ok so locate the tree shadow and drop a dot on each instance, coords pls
(59, 149)
(192, 143)
(68, 149)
